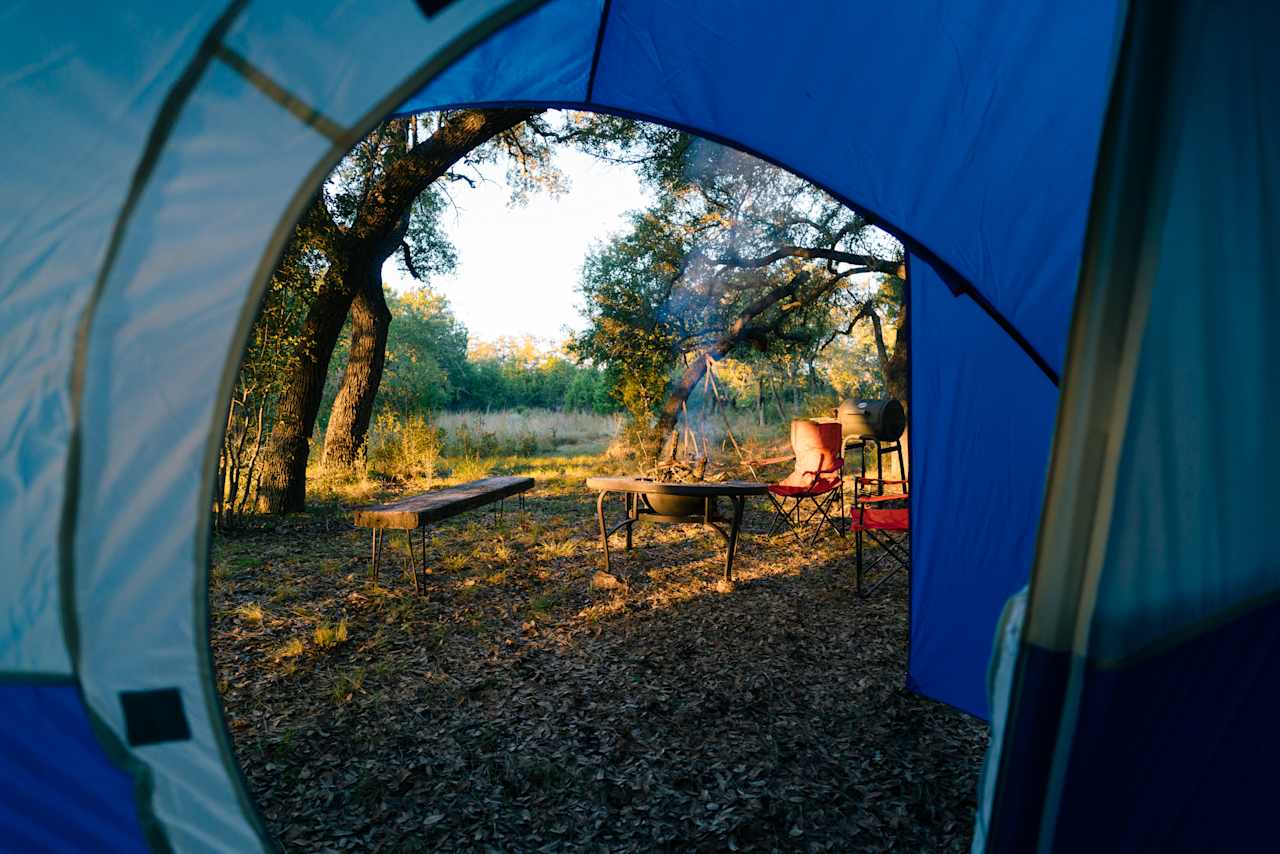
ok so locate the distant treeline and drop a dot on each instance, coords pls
(432, 366)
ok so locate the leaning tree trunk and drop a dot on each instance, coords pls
(353, 408)
(283, 487)
(739, 330)
(376, 229)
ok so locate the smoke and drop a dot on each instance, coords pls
(716, 171)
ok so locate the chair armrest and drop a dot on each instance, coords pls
(769, 461)
(838, 465)
(877, 499)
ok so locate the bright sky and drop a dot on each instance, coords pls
(518, 267)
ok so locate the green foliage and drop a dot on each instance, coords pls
(727, 256)
(627, 288)
(516, 373)
(404, 448)
(426, 355)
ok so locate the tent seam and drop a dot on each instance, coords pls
(296, 106)
(595, 53)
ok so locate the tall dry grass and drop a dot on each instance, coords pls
(527, 431)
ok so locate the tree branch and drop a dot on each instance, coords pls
(408, 260)
(879, 265)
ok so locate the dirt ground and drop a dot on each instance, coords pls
(525, 702)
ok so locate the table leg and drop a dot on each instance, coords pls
(738, 502)
(633, 506)
(604, 535)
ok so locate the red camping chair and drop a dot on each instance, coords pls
(818, 479)
(886, 521)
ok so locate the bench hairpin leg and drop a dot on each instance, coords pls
(411, 565)
(424, 556)
(377, 554)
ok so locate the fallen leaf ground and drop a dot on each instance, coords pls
(526, 702)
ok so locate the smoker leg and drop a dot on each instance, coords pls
(879, 469)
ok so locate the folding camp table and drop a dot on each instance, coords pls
(698, 507)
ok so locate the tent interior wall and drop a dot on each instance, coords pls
(159, 159)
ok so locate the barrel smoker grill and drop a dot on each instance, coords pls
(874, 422)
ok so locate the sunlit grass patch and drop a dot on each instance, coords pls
(615, 605)
(557, 549)
(346, 487)
(292, 648)
(455, 562)
(251, 612)
(470, 468)
(327, 636)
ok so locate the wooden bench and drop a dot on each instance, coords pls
(414, 513)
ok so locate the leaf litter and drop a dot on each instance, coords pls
(528, 701)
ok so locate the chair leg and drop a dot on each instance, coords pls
(786, 516)
(858, 563)
(890, 549)
(780, 515)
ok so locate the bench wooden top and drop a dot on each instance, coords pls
(439, 504)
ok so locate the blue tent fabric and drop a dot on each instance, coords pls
(1168, 745)
(566, 33)
(61, 791)
(981, 422)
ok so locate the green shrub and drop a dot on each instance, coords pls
(404, 448)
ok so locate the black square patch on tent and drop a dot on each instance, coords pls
(154, 717)
(431, 8)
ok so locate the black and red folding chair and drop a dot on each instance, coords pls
(816, 486)
(882, 519)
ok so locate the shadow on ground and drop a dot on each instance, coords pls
(526, 703)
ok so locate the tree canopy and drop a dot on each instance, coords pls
(735, 257)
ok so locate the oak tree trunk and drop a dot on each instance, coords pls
(283, 488)
(357, 252)
(348, 427)
(897, 371)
